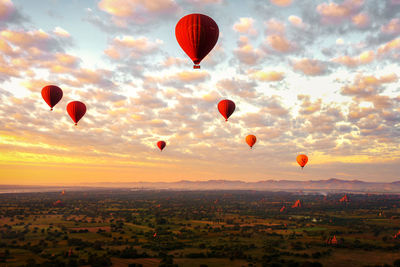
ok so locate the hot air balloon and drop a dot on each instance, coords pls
(302, 160)
(344, 199)
(397, 235)
(226, 108)
(52, 95)
(332, 240)
(197, 34)
(297, 204)
(76, 110)
(58, 203)
(161, 145)
(251, 140)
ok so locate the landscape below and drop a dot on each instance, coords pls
(121, 227)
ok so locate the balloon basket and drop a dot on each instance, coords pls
(196, 66)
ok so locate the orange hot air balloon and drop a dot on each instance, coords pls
(251, 140)
(52, 95)
(161, 145)
(76, 110)
(344, 199)
(197, 35)
(297, 204)
(302, 160)
(226, 108)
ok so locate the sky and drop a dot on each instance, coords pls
(313, 77)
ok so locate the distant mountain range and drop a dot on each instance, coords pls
(330, 185)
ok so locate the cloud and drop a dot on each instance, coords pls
(276, 38)
(364, 58)
(392, 28)
(191, 76)
(361, 20)
(175, 61)
(308, 107)
(279, 43)
(204, 2)
(5, 71)
(311, 67)
(237, 87)
(25, 51)
(275, 27)
(138, 11)
(339, 41)
(392, 45)
(270, 76)
(38, 39)
(297, 22)
(6, 9)
(332, 10)
(282, 3)
(61, 32)
(246, 53)
(6, 48)
(84, 77)
(275, 107)
(179, 79)
(335, 13)
(128, 47)
(245, 26)
(367, 86)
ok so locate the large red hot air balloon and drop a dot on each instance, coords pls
(251, 140)
(76, 110)
(52, 95)
(197, 34)
(161, 145)
(226, 108)
(302, 160)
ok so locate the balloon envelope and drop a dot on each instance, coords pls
(226, 108)
(52, 95)
(197, 35)
(251, 140)
(76, 110)
(161, 145)
(302, 160)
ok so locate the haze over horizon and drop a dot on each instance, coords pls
(313, 77)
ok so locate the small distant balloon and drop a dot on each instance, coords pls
(226, 108)
(302, 160)
(161, 145)
(197, 35)
(76, 110)
(52, 95)
(251, 140)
